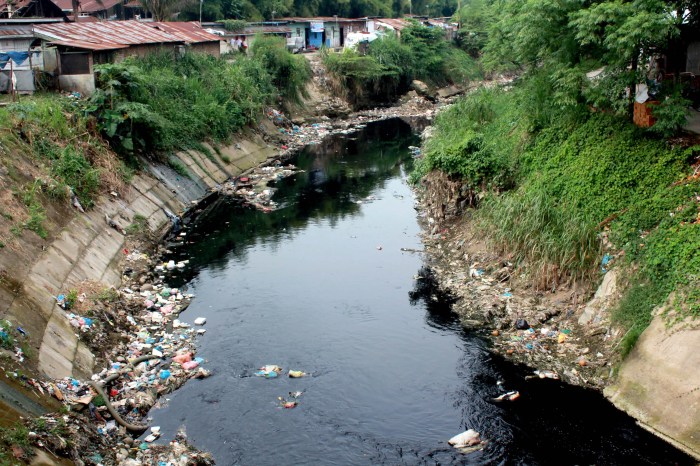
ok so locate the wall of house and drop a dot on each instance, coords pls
(299, 32)
(332, 34)
(15, 45)
(83, 83)
(210, 48)
(143, 50)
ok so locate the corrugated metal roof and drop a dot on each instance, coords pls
(252, 30)
(87, 6)
(190, 32)
(395, 23)
(325, 19)
(16, 33)
(105, 35)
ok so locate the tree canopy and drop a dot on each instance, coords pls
(259, 10)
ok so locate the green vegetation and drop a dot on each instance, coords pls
(60, 140)
(139, 104)
(18, 437)
(390, 64)
(179, 167)
(233, 25)
(551, 194)
(138, 226)
(258, 10)
(561, 183)
(289, 72)
(71, 298)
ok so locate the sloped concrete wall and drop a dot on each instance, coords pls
(89, 249)
(659, 383)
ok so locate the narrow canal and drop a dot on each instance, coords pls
(322, 285)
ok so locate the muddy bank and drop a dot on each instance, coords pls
(537, 328)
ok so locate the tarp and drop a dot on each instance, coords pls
(20, 60)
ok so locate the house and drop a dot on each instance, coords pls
(16, 60)
(318, 32)
(449, 28)
(91, 10)
(386, 25)
(247, 34)
(192, 34)
(13, 9)
(82, 45)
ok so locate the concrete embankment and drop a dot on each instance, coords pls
(87, 248)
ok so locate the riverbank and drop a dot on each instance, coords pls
(136, 316)
(580, 245)
(536, 328)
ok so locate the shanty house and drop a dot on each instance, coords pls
(326, 31)
(89, 10)
(30, 9)
(83, 45)
(16, 56)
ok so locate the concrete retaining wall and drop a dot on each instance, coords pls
(659, 383)
(88, 249)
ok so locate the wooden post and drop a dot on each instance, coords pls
(12, 81)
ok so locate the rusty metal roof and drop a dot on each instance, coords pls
(395, 23)
(87, 6)
(189, 32)
(105, 35)
(16, 33)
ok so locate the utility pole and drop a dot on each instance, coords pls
(459, 14)
(201, 2)
(273, 15)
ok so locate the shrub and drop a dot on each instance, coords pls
(289, 72)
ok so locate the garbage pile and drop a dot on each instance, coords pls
(155, 355)
(254, 188)
(538, 328)
(272, 371)
(11, 340)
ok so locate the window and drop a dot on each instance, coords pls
(75, 63)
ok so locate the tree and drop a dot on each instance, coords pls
(474, 19)
(563, 39)
(161, 10)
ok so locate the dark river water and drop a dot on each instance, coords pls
(393, 374)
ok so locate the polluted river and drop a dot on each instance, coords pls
(333, 283)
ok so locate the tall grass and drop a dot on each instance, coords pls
(553, 242)
(289, 72)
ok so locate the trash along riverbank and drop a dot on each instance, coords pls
(142, 335)
(147, 342)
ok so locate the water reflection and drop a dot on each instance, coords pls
(394, 374)
(327, 191)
